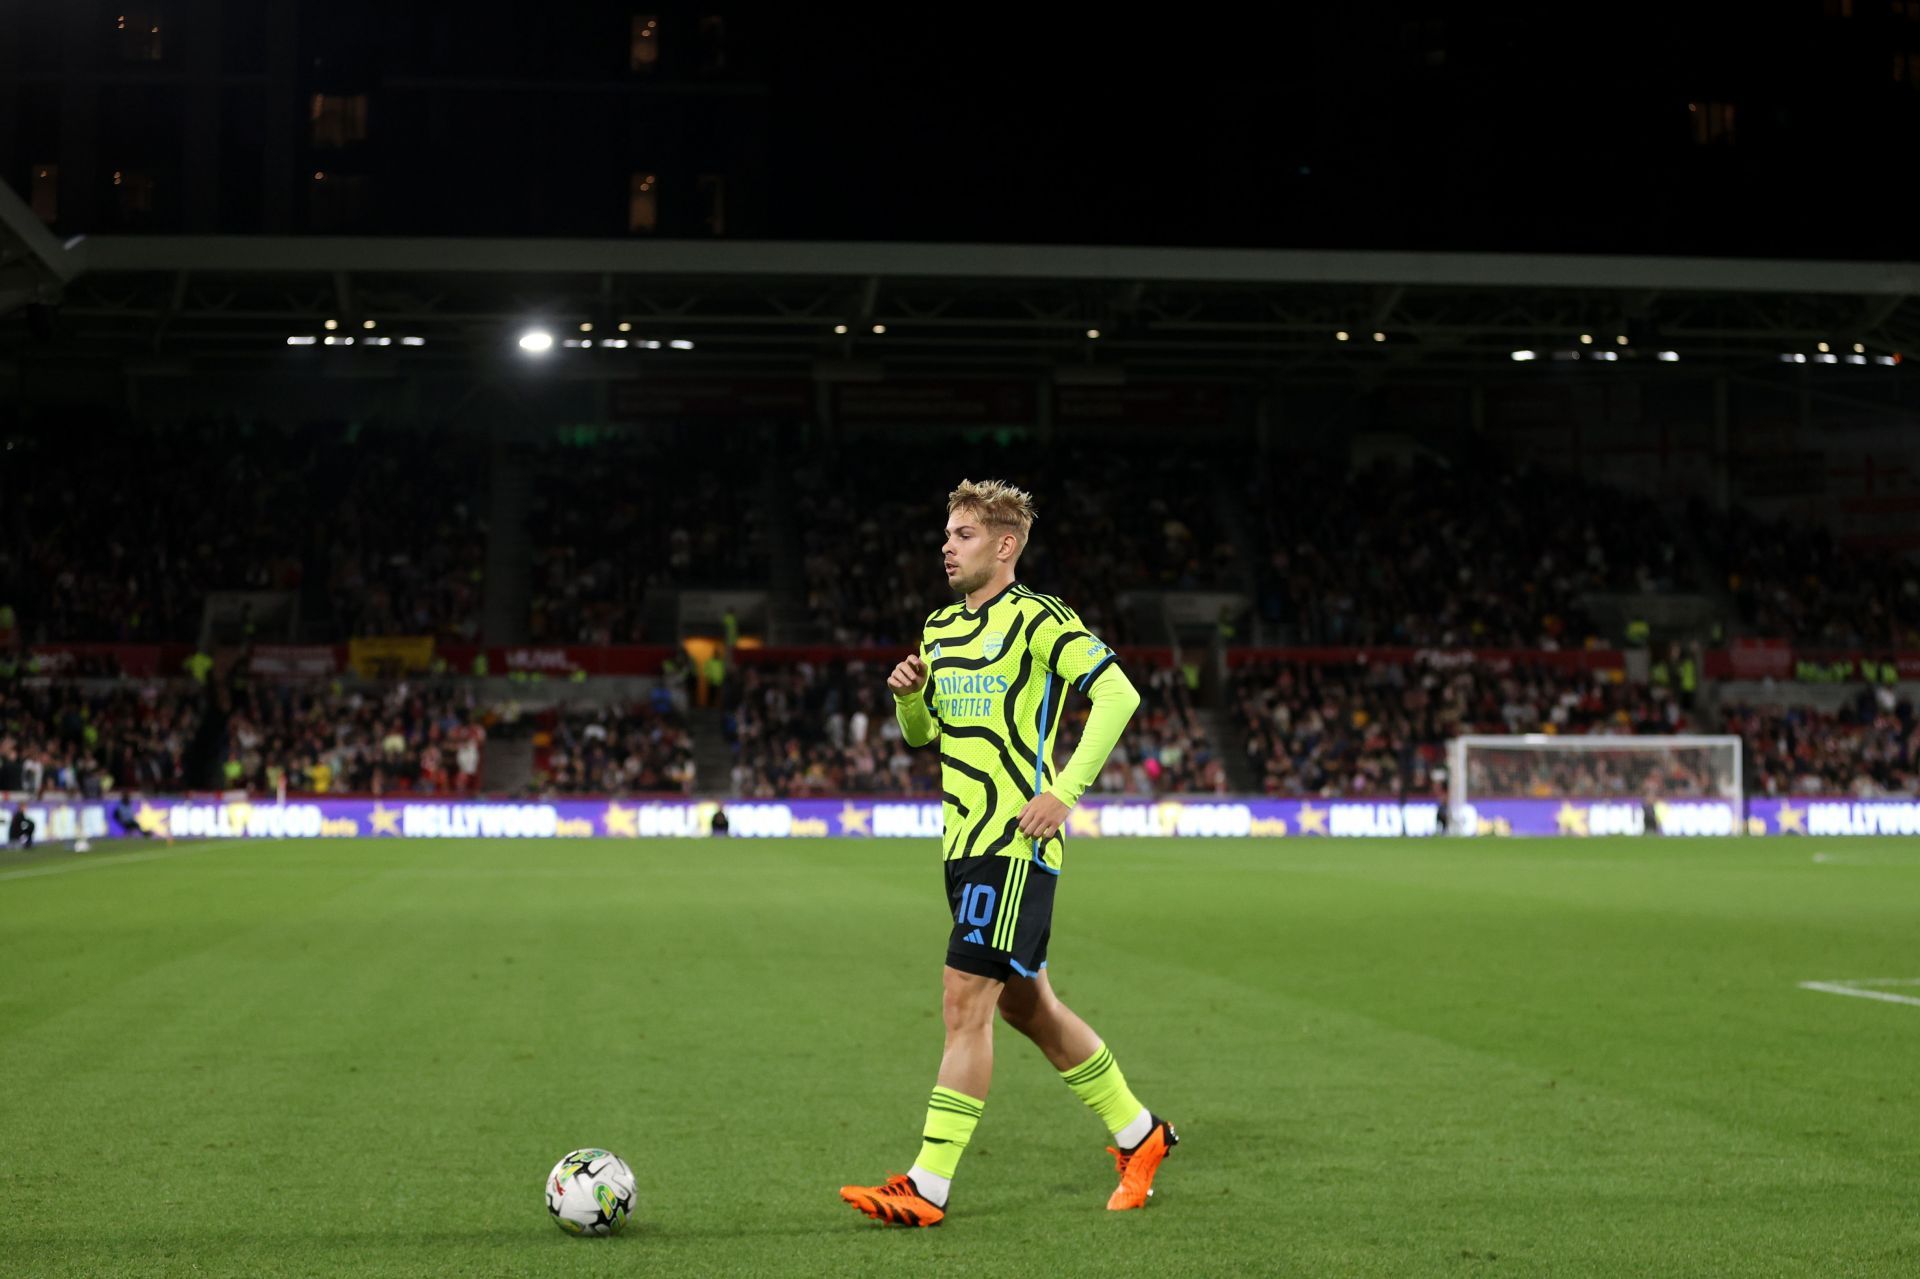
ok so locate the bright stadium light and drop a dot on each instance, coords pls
(626, 326)
(839, 328)
(413, 341)
(1609, 356)
(1586, 339)
(1823, 348)
(681, 344)
(1856, 359)
(1622, 339)
(1669, 357)
(302, 340)
(619, 343)
(1827, 359)
(1520, 357)
(331, 325)
(1341, 336)
(536, 341)
(368, 324)
(1379, 337)
(879, 328)
(586, 326)
(1859, 348)
(1093, 333)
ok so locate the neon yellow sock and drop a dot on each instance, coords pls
(950, 1119)
(1098, 1082)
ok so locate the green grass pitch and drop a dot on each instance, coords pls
(1557, 1058)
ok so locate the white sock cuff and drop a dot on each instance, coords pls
(1134, 1133)
(932, 1186)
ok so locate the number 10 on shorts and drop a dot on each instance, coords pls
(976, 905)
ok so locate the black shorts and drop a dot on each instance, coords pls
(1002, 915)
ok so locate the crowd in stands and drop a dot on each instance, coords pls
(820, 729)
(623, 749)
(1450, 555)
(1678, 771)
(1869, 748)
(1109, 521)
(616, 517)
(406, 537)
(61, 737)
(811, 729)
(1795, 582)
(1381, 728)
(120, 536)
(1166, 749)
(393, 739)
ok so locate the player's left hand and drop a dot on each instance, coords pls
(1042, 816)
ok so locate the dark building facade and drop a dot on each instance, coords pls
(486, 117)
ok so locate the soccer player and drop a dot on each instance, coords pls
(987, 684)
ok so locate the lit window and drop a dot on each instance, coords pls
(46, 192)
(1712, 122)
(643, 203)
(713, 203)
(646, 41)
(136, 30)
(339, 119)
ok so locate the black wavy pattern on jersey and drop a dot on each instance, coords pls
(1053, 604)
(1059, 646)
(993, 797)
(949, 797)
(1000, 743)
(1007, 833)
(1012, 697)
(968, 638)
(1055, 693)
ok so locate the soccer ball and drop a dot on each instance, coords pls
(590, 1192)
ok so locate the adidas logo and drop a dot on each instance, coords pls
(975, 938)
(936, 653)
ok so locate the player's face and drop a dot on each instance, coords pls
(968, 553)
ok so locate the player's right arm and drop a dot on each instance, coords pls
(912, 700)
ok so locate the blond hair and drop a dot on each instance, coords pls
(1000, 506)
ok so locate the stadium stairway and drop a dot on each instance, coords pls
(507, 766)
(787, 619)
(1232, 748)
(509, 582)
(712, 757)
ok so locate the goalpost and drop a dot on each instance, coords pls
(1538, 783)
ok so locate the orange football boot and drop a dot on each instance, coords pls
(1137, 1166)
(898, 1203)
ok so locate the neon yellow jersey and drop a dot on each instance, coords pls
(996, 678)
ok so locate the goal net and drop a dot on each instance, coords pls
(1538, 784)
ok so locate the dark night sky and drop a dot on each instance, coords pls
(1334, 127)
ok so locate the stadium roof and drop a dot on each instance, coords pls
(845, 309)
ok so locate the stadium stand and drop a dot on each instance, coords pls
(619, 516)
(1435, 554)
(1868, 749)
(401, 738)
(1381, 728)
(1797, 583)
(623, 749)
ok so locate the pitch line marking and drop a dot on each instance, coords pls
(112, 859)
(1854, 988)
